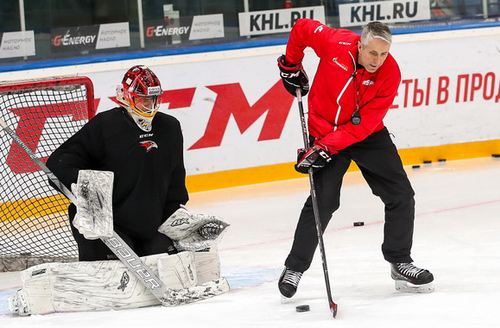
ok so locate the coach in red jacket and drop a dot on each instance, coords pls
(355, 84)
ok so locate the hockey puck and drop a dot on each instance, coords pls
(427, 162)
(415, 167)
(495, 155)
(441, 160)
(359, 224)
(302, 308)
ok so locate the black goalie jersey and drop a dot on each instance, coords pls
(149, 173)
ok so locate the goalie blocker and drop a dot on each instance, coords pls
(94, 206)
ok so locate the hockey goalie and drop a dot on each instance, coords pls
(190, 275)
(137, 245)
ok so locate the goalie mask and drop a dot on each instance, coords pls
(140, 93)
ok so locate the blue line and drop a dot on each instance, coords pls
(247, 277)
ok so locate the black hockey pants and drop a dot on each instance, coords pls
(381, 166)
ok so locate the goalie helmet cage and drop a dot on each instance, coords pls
(34, 224)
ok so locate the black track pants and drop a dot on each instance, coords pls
(381, 166)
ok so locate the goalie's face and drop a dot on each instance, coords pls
(143, 110)
(140, 92)
(145, 107)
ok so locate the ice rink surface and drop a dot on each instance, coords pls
(457, 237)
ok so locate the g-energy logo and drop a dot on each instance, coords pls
(68, 40)
(158, 31)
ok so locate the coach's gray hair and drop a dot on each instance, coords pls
(375, 30)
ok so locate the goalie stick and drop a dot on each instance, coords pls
(167, 297)
(319, 230)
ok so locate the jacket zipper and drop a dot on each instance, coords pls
(339, 109)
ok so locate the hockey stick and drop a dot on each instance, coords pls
(168, 297)
(319, 230)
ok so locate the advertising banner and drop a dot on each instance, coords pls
(113, 36)
(86, 38)
(185, 28)
(207, 27)
(276, 21)
(17, 44)
(354, 14)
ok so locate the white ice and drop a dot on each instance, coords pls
(457, 237)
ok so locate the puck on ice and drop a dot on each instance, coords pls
(359, 224)
(302, 308)
(415, 167)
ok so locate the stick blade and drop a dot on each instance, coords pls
(333, 308)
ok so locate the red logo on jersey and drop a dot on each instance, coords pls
(148, 144)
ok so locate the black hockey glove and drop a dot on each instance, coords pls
(316, 157)
(293, 77)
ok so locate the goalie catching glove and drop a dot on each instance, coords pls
(193, 232)
(94, 209)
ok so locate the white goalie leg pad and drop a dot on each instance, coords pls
(178, 271)
(95, 286)
(187, 269)
(192, 232)
(36, 295)
(204, 284)
(94, 209)
(105, 285)
(207, 265)
(197, 293)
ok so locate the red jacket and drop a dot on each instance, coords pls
(334, 91)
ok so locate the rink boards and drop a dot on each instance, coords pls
(240, 126)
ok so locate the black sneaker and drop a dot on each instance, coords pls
(288, 282)
(410, 273)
